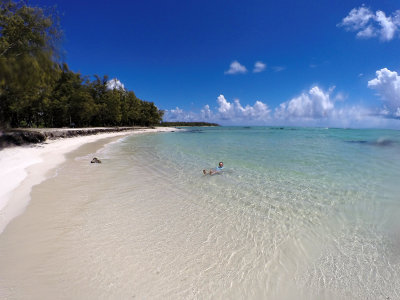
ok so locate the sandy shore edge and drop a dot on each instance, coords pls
(21, 168)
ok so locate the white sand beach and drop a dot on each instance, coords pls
(23, 167)
(289, 218)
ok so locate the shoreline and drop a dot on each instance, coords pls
(27, 136)
(23, 167)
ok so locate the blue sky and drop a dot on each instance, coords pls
(306, 63)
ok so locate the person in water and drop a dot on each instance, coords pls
(216, 170)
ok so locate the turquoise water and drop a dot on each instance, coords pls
(298, 213)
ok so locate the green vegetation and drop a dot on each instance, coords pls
(176, 124)
(37, 90)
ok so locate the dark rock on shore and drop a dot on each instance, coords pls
(95, 160)
(18, 137)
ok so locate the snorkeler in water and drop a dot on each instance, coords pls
(216, 170)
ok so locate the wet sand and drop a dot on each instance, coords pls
(21, 168)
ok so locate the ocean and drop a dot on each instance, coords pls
(297, 213)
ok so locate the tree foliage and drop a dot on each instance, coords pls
(37, 90)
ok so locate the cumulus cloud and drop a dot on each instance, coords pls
(357, 18)
(368, 24)
(367, 32)
(315, 107)
(259, 67)
(226, 112)
(224, 107)
(176, 114)
(236, 68)
(235, 112)
(115, 84)
(387, 84)
(179, 115)
(313, 104)
(388, 27)
(206, 113)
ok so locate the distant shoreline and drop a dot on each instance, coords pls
(25, 136)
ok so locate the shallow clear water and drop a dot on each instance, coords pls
(305, 213)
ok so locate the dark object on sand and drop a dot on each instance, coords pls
(95, 160)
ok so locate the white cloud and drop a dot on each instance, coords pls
(357, 18)
(235, 112)
(115, 84)
(311, 105)
(236, 68)
(367, 32)
(224, 107)
(259, 67)
(396, 17)
(226, 112)
(176, 114)
(387, 84)
(357, 117)
(259, 111)
(206, 113)
(180, 115)
(368, 24)
(315, 107)
(388, 28)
